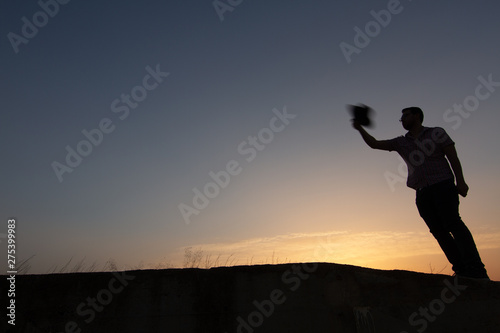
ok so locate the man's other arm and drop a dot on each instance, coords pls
(456, 166)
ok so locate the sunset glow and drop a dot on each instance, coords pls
(135, 130)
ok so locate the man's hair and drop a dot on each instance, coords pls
(416, 110)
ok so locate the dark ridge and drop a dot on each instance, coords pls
(303, 297)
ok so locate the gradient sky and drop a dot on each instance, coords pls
(313, 192)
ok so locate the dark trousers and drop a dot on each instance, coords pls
(438, 206)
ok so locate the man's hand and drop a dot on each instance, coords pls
(356, 124)
(370, 140)
(462, 188)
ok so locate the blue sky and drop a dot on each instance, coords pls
(314, 179)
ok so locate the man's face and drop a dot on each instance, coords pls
(408, 120)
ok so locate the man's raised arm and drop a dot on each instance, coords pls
(370, 140)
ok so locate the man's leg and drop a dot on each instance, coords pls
(447, 202)
(428, 211)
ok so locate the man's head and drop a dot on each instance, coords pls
(412, 116)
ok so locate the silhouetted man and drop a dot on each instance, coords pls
(427, 151)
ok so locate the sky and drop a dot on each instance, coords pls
(137, 130)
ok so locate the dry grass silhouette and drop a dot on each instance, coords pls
(198, 259)
(193, 258)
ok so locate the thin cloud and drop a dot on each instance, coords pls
(339, 246)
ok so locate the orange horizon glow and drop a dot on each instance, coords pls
(413, 251)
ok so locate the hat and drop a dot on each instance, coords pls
(361, 114)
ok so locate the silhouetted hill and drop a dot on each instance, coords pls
(309, 297)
